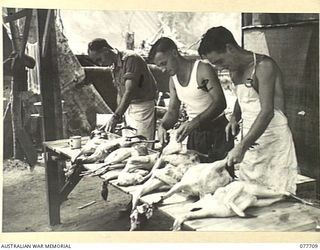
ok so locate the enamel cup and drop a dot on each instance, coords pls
(75, 142)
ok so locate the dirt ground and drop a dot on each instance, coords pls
(25, 205)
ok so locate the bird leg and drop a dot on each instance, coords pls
(242, 203)
(147, 187)
(266, 202)
(175, 189)
(156, 166)
(202, 213)
(261, 191)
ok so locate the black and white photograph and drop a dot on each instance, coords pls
(138, 120)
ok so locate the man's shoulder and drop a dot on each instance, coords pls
(204, 63)
(129, 54)
(205, 66)
(266, 62)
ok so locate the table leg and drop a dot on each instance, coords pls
(52, 185)
(70, 184)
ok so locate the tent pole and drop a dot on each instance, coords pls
(49, 78)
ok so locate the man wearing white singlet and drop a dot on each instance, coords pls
(196, 84)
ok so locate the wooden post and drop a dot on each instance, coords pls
(51, 106)
(49, 79)
(15, 97)
(22, 145)
(52, 181)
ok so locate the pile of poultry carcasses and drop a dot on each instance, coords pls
(129, 160)
(211, 182)
(124, 158)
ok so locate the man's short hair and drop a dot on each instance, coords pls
(163, 44)
(216, 39)
(97, 44)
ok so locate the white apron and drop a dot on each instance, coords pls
(273, 161)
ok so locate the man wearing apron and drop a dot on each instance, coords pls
(266, 153)
(135, 84)
(196, 84)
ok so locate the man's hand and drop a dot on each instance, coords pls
(184, 130)
(162, 134)
(233, 126)
(111, 124)
(236, 155)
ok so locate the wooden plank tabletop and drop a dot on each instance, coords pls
(281, 216)
(62, 147)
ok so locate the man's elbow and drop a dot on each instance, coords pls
(268, 114)
(128, 93)
(172, 113)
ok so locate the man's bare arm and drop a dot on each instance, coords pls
(209, 81)
(172, 115)
(130, 88)
(266, 75)
(233, 125)
(207, 75)
(236, 114)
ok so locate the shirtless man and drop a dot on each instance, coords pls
(196, 84)
(266, 153)
(135, 84)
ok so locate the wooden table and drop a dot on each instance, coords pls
(284, 216)
(58, 188)
(281, 216)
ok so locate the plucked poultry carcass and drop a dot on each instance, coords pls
(133, 178)
(167, 171)
(174, 166)
(101, 169)
(101, 150)
(97, 138)
(122, 154)
(119, 155)
(172, 156)
(105, 148)
(136, 168)
(111, 174)
(201, 179)
(117, 160)
(141, 162)
(230, 200)
(173, 146)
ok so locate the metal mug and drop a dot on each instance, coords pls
(75, 142)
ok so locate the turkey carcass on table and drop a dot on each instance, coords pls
(122, 154)
(117, 160)
(167, 170)
(97, 138)
(201, 179)
(173, 146)
(105, 148)
(230, 200)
